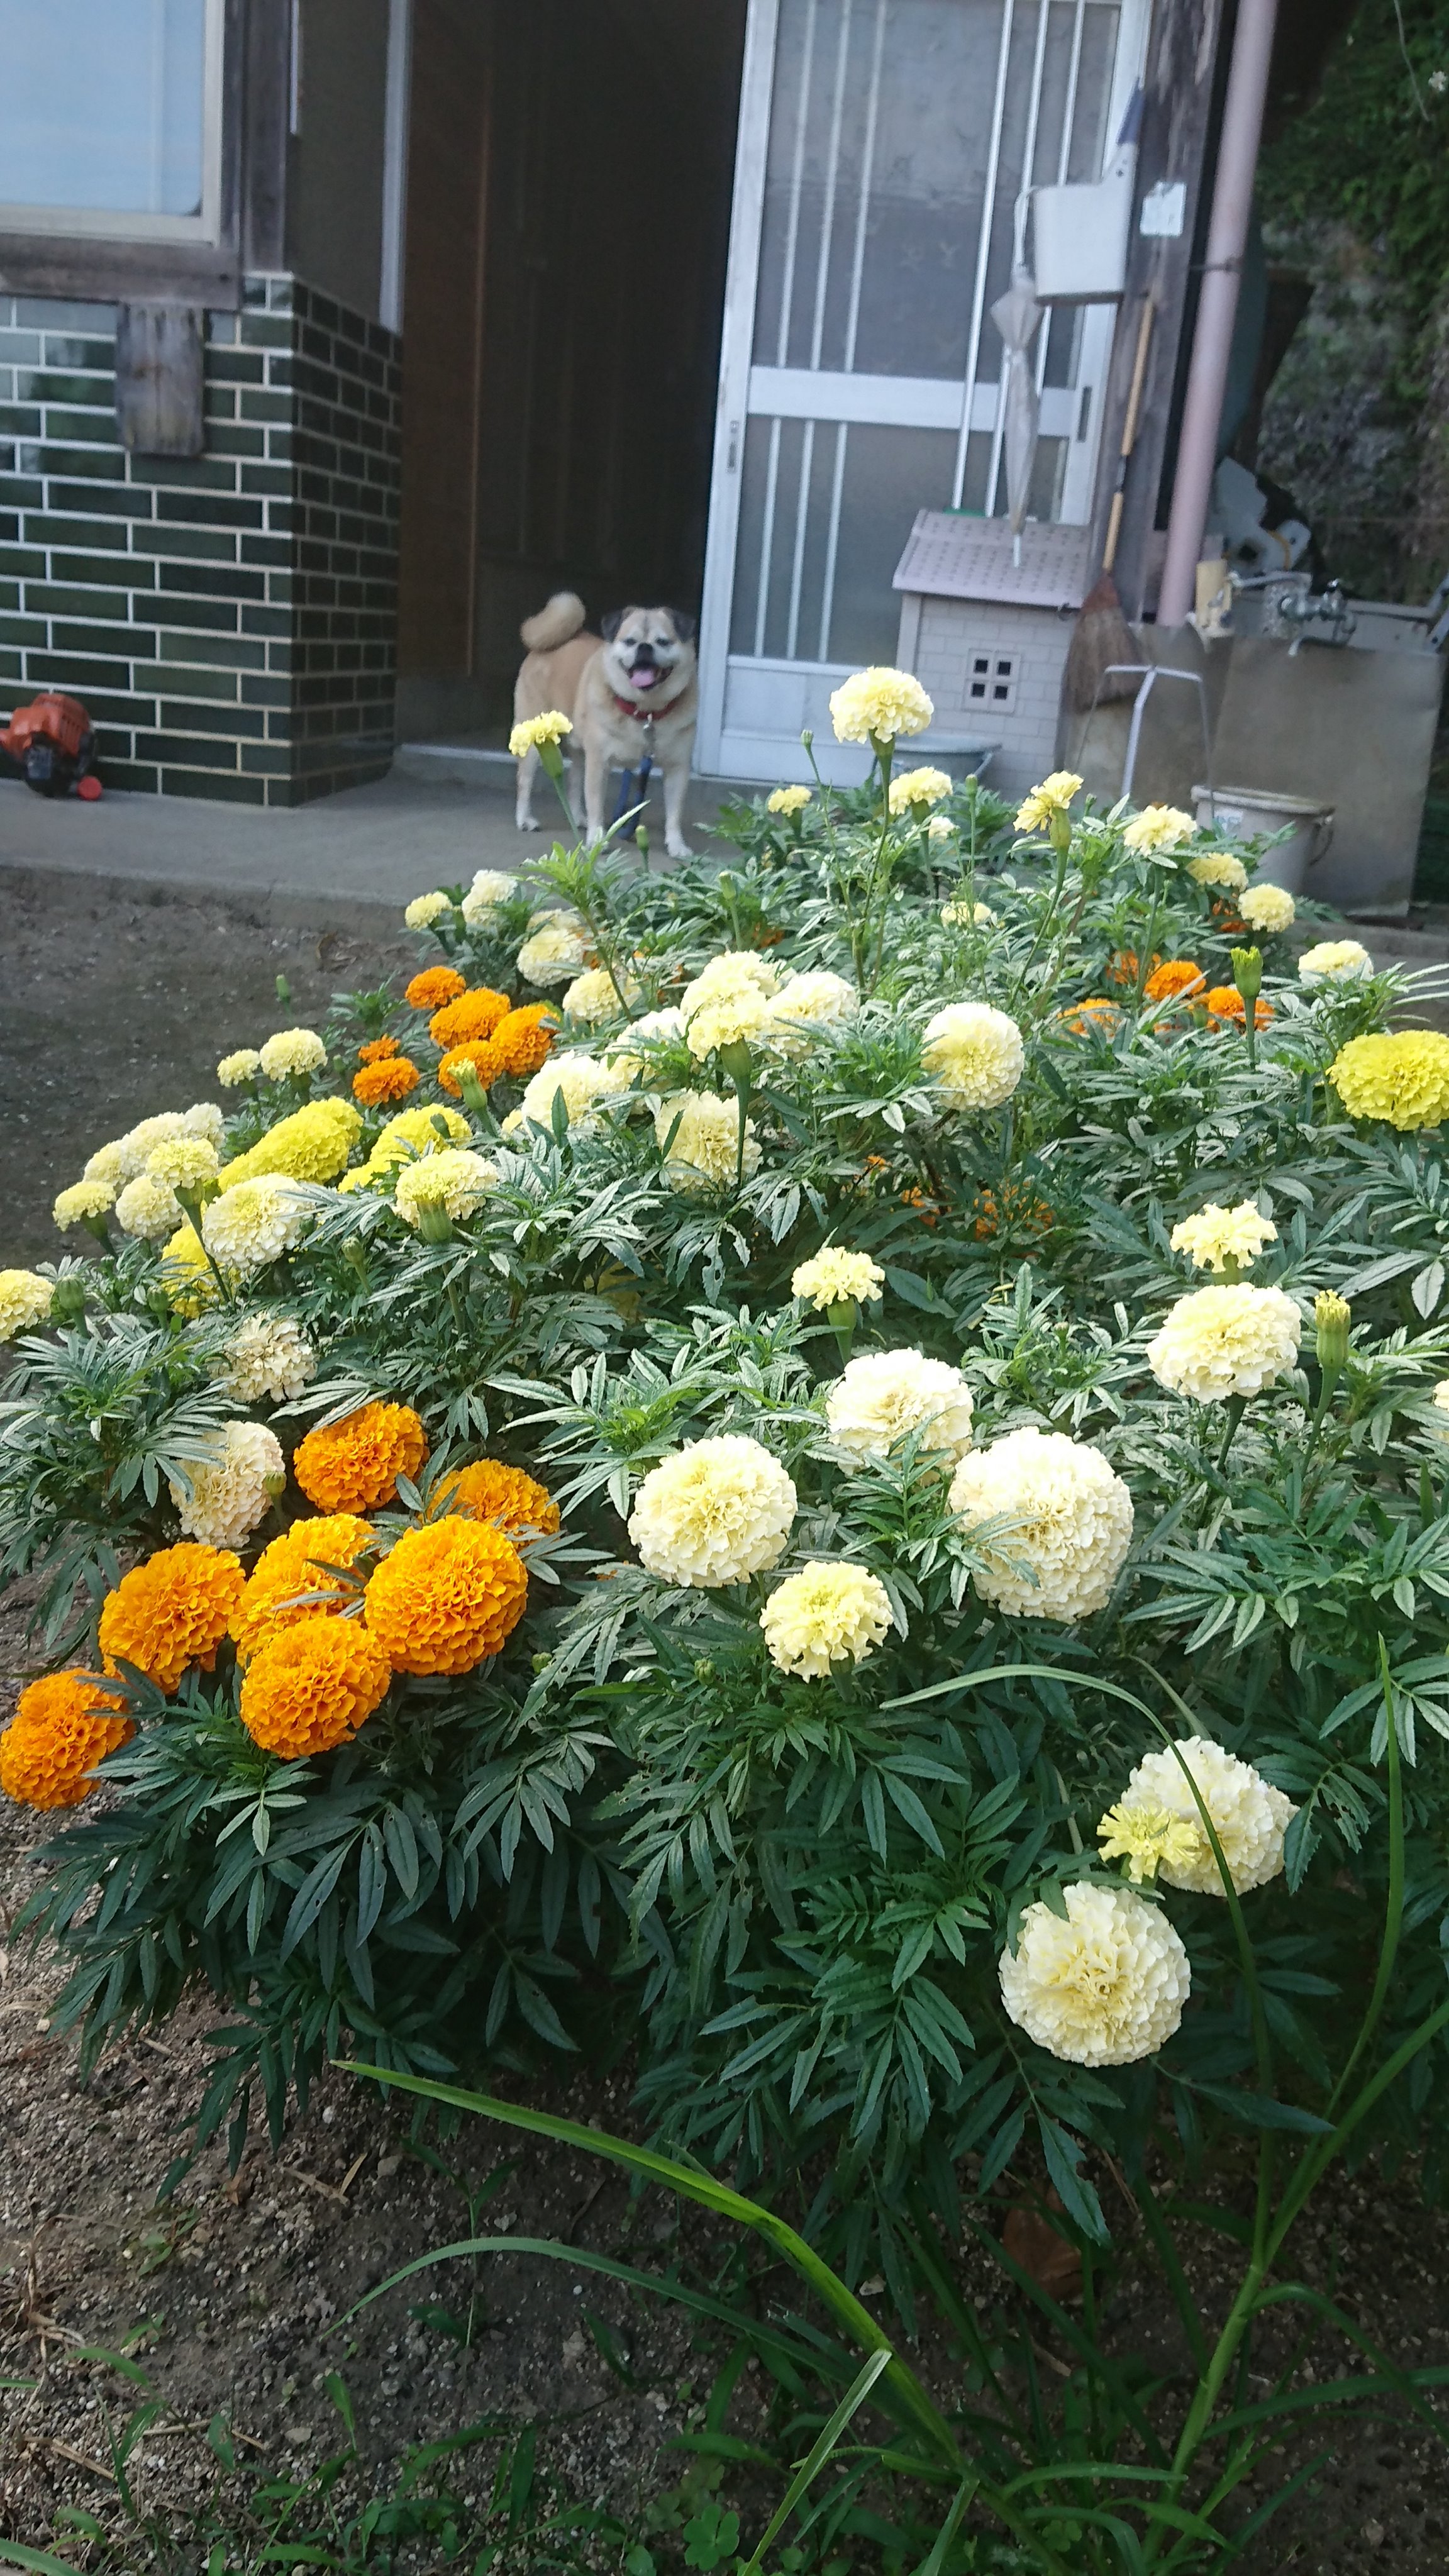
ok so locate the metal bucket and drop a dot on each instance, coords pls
(1245, 812)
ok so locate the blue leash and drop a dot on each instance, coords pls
(627, 796)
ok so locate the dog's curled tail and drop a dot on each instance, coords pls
(554, 625)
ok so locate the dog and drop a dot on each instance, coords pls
(629, 691)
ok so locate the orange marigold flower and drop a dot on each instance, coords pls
(474, 1014)
(1172, 982)
(377, 1050)
(170, 1612)
(481, 1054)
(310, 1687)
(353, 1465)
(1124, 967)
(1095, 1012)
(433, 987)
(1225, 1004)
(524, 1040)
(392, 1080)
(294, 1565)
(63, 1726)
(1011, 1205)
(447, 1596)
(926, 1209)
(489, 1491)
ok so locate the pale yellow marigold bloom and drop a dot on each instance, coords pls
(805, 1005)
(426, 908)
(1053, 796)
(883, 1396)
(83, 1199)
(269, 1356)
(148, 1208)
(919, 787)
(1334, 961)
(234, 1489)
(1218, 1235)
(580, 1081)
(593, 997)
(1249, 1816)
(728, 1016)
(1268, 907)
(955, 916)
(1145, 1837)
(185, 1162)
(879, 705)
(139, 1143)
(1157, 830)
(940, 828)
(826, 1614)
(624, 1052)
(204, 1118)
(1219, 868)
(292, 1051)
(415, 1131)
(1104, 1988)
(1226, 1341)
(976, 1054)
(726, 973)
(788, 800)
(526, 737)
(24, 1302)
(698, 1134)
(555, 953)
(489, 888)
(1402, 1078)
(835, 1277)
(1072, 1519)
(107, 1163)
(241, 1066)
(254, 1223)
(453, 1179)
(713, 1513)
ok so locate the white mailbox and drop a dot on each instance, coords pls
(1080, 235)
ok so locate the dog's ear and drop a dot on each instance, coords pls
(609, 626)
(684, 625)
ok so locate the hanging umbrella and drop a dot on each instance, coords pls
(1017, 316)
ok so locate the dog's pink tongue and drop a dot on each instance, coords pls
(643, 675)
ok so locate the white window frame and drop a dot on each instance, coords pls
(98, 223)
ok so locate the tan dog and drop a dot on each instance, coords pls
(630, 691)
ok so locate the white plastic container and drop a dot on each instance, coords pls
(1080, 235)
(1246, 811)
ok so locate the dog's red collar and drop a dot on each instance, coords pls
(641, 715)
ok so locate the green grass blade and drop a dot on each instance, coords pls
(810, 2468)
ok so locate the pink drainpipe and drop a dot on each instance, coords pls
(1217, 306)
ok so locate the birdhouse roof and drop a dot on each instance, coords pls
(951, 556)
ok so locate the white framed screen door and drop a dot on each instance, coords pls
(882, 147)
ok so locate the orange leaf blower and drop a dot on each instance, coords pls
(51, 745)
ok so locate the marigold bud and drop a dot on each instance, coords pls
(1331, 1314)
(1248, 972)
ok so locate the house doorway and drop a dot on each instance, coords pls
(569, 191)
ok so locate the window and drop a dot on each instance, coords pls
(992, 681)
(110, 118)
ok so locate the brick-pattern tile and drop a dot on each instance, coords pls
(954, 633)
(229, 620)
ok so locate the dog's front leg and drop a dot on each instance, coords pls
(528, 768)
(676, 785)
(596, 781)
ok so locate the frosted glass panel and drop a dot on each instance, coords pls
(102, 105)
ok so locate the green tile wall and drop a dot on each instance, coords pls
(229, 620)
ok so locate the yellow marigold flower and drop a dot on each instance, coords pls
(184, 1163)
(883, 1396)
(1070, 1522)
(555, 952)
(1226, 1341)
(234, 1488)
(835, 1277)
(1249, 1816)
(252, 1225)
(918, 787)
(528, 736)
(425, 909)
(82, 1203)
(1219, 868)
(826, 1614)
(788, 800)
(1403, 1078)
(25, 1300)
(489, 1491)
(171, 1612)
(63, 1726)
(242, 1065)
(1334, 961)
(310, 1687)
(417, 1131)
(726, 974)
(1053, 796)
(1268, 907)
(1157, 830)
(474, 1014)
(353, 1465)
(313, 1144)
(187, 1275)
(726, 1017)
(448, 1595)
(1146, 1836)
(593, 997)
(976, 1054)
(1104, 1988)
(454, 1180)
(879, 705)
(713, 1513)
(293, 1051)
(1219, 1235)
(698, 1133)
(435, 985)
(292, 1567)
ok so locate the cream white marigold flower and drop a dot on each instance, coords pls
(788, 800)
(728, 1016)
(292, 1051)
(826, 1614)
(713, 1513)
(976, 1054)
(698, 1134)
(726, 973)
(1334, 961)
(1218, 1235)
(233, 1491)
(135, 1149)
(453, 1179)
(268, 1357)
(957, 916)
(490, 887)
(554, 953)
(805, 1005)
(204, 1118)
(82, 1202)
(1073, 1523)
(254, 1223)
(1250, 1816)
(1104, 1988)
(580, 1081)
(1226, 1341)
(184, 1162)
(1157, 830)
(1053, 796)
(879, 704)
(835, 1277)
(25, 1300)
(1219, 868)
(107, 1164)
(919, 787)
(623, 1050)
(593, 997)
(1268, 907)
(148, 1208)
(425, 909)
(527, 737)
(242, 1065)
(883, 1396)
